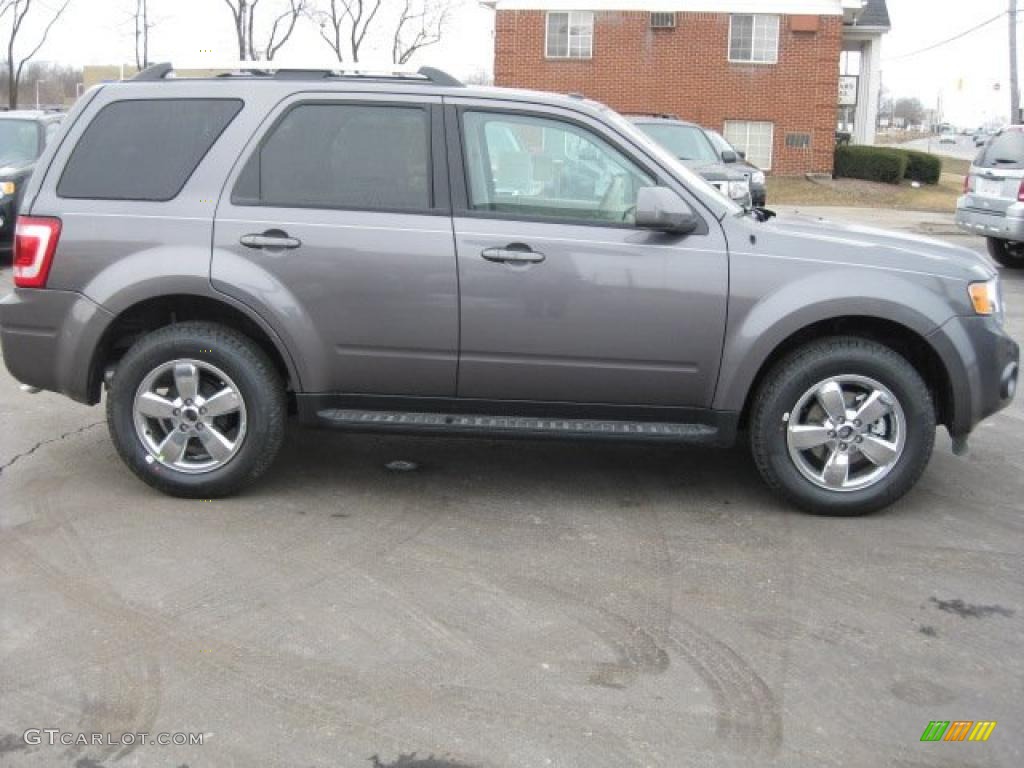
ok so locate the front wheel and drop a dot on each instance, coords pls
(196, 410)
(1006, 253)
(843, 426)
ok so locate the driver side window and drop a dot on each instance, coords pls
(541, 167)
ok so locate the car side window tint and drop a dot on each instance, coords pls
(548, 168)
(342, 156)
(144, 149)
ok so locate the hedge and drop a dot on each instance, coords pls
(922, 167)
(859, 161)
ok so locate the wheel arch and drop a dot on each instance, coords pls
(902, 339)
(149, 314)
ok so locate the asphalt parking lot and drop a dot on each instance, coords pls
(505, 605)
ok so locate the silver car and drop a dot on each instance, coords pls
(992, 204)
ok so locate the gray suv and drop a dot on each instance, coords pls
(404, 254)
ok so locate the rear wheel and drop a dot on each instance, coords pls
(843, 426)
(196, 410)
(1006, 253)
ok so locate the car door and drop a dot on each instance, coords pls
(562, 297)
(336, 227)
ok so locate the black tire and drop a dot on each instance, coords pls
(257, 381)
(1006, 253)
(800, 371)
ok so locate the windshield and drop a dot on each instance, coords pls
(670, 161)
(1004, 151)
(719, 141)
(19, 142)
(687, 142)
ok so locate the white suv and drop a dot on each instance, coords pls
(993, 201)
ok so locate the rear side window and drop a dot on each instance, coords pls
(144, 150)
(1004, 151)
(342, 156)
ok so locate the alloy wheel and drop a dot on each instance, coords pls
(190, 416)
(846, 433)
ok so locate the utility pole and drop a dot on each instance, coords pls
(1014, 92)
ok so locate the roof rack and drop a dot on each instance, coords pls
(271, 69)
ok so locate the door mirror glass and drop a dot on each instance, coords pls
(663, 209)
(729, 156)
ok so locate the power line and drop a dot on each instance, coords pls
(949, 40)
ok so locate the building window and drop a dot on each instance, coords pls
(754, 139)
(754, 38)
(798, 141)
(570, 35)
(666, 20)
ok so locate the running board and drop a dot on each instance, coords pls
(516, 426)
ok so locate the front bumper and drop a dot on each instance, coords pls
(48, 338)
(983, 363)
(1005, 226)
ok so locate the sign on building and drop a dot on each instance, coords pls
(848, 90)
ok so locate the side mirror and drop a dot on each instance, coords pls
(728, 156)
(663, 209)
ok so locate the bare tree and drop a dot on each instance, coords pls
(420, 24)
(243, 13)
(281, 30)
(142, 27)
(19, 10)
(362, 14)
(240, 14)
(331, 22)
(356, 17)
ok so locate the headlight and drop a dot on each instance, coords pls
(985, 297)
(739, 190)
(757, 177)
(7, 188)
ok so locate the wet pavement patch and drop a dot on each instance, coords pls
(969, 610)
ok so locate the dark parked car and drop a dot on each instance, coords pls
(407, 254)
(734, 158)
(23, 136)
(692, 146)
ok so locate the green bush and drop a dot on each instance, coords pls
(859, 161)
(922, 167)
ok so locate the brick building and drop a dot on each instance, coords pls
(777, 77)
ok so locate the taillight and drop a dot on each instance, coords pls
(35, 242)
(1020, 192)
(967, 183)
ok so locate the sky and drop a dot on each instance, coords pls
(964, 74)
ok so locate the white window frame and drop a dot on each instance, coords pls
(579, 17)
(745, 145)
(757, 17)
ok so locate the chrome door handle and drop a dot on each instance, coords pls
(271, 239)
(512, 256)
